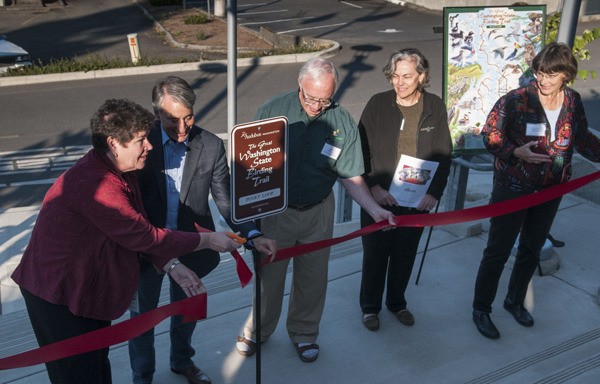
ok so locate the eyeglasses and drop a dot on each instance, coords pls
(312, 101)
(548, 76)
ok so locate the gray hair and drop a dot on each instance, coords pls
(175, 87)
(316, 69)
(409, 54)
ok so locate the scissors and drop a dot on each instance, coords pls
(238, 239)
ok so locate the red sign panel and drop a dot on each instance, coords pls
(258, 169)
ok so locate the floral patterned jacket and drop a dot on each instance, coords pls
(506, 129)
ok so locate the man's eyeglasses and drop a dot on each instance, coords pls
(312, 101)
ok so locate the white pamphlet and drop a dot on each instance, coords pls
(411, 180)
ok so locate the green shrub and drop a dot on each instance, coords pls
(198, 18)
(200, 35)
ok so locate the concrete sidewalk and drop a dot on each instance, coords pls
(442, 347)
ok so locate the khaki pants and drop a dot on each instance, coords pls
(309, 277)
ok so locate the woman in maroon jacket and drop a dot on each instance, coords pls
(80, 269)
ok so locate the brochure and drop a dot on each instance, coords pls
(411, 180)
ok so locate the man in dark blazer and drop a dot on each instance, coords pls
(186, 164)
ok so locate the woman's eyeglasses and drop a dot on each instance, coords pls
(546, 76)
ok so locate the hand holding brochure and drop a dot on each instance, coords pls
(411, 180)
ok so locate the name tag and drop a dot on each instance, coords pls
(331, 151)
(538, 129)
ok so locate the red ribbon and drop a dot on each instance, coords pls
(444, 218)
(243, 271)
(193, 308)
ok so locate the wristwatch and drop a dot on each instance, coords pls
(251, 236)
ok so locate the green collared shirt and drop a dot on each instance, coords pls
(319, 151)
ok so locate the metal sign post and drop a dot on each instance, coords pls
(259, 187)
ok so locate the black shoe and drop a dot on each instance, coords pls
(556, 243)
(484, 324)
(193, 374)
(519, 313)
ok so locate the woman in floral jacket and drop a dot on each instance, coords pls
(532, 132)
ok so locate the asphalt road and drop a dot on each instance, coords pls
(84, 27)
(56, 115)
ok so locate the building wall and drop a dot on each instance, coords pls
(588, 7)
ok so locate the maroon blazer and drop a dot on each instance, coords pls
(85, 245)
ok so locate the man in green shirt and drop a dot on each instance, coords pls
(324, 145)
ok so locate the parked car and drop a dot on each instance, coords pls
(12, 56)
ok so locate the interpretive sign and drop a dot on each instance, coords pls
(258, 169)
(487, 52)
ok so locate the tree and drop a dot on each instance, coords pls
(579, 43)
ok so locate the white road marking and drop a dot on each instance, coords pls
(350, 4)
(306, 29)
(278, 21)
(251, 5)
(260, 13)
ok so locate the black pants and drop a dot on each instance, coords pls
(533, 224)
(52, 323)
(391, 252)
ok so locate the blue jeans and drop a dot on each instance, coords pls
(533, 224)
(141, 348)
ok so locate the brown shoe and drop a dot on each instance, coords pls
(371, 321)
(405, 317)
(193, 374)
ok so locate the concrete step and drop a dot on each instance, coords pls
(16, 334)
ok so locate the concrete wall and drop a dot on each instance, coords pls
(587, 6)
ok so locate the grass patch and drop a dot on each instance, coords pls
(86, 64)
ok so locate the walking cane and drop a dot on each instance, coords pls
(437, 206)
